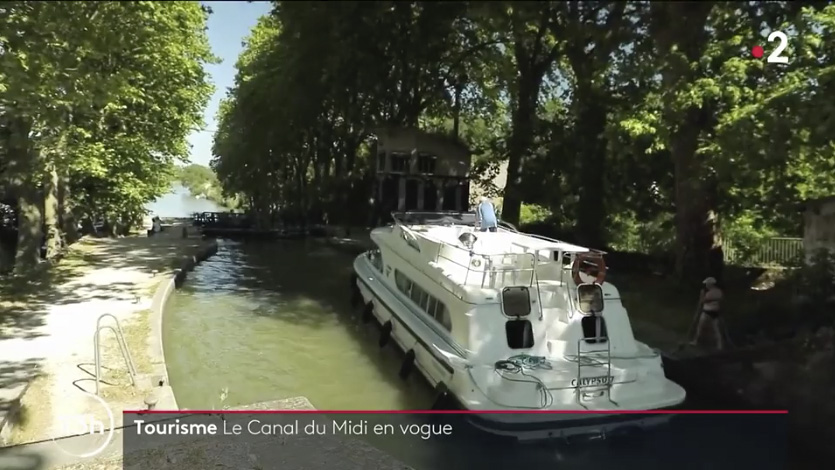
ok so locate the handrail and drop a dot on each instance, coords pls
(396, 216)
(123, 347)
(512, 227)
(488, 265)
(482, 267)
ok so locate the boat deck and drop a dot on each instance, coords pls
(501, 242)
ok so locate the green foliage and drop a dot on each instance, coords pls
(802, 300)
(202, 182)
(196, 178)
(640, 126)
(656, 236)
(815, 281)
(532, 213)
(103, 95)
(744, 236)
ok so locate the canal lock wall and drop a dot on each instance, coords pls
(162, 395)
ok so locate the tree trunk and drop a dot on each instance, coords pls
(7, 253)
(29, 228)
(591, 124)
(456, 111)
(23, 165)
(519, 146)
(69, 224)
(696, 243)
(696, 240)
(52, 212)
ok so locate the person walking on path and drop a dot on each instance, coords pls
(710, 302)
(486, 215)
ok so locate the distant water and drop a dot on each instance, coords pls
(180, 203)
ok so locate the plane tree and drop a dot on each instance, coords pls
(726, 120)
(97, 101)
(629, 123)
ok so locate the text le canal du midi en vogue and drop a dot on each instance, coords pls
(257, 427)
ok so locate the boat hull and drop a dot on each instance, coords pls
(568, 426)
(439, 371)
(526, 425)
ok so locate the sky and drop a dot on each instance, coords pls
(229, 25)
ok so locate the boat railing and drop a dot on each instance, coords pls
(554, 240)
(484, 270)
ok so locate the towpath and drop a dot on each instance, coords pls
(47, 325)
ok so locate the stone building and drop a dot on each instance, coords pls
(819, 225)
(420, 171)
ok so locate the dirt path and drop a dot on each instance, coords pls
(47, 327)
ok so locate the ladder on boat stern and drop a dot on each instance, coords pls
(594, 357)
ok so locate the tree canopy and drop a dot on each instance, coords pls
(636, 123)
(202, 182)
(96, 102)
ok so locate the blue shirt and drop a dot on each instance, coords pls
(487, 214)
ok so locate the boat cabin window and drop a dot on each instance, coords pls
(429, 304)
(519, 334)
(376, 259)
(594, 329)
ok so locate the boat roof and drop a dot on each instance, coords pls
(530, 241)
(536, 243)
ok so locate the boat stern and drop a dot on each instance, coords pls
(590, 425)
(536, 406)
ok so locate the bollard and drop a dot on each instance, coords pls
(151, 401)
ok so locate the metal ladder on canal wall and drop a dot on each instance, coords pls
(123, 347)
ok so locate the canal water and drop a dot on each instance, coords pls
(262, 321)
(180, 203)
(273, 320)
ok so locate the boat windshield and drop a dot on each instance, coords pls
(435, 218)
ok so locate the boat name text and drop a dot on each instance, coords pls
(592, 381)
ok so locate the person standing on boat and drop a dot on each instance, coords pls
(486, 215)
(710, 301)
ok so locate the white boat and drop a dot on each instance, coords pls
(512, 322)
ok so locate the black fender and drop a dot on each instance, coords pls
(408, 364)
(368, 312)
(356, 295)
(442, 397)
(385, 333)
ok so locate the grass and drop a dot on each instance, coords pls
(33, 415)
(136, 332)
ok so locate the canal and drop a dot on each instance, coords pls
(180, 203)
(263, 321)
(273, 320)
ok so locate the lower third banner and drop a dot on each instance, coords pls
(448, 441)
